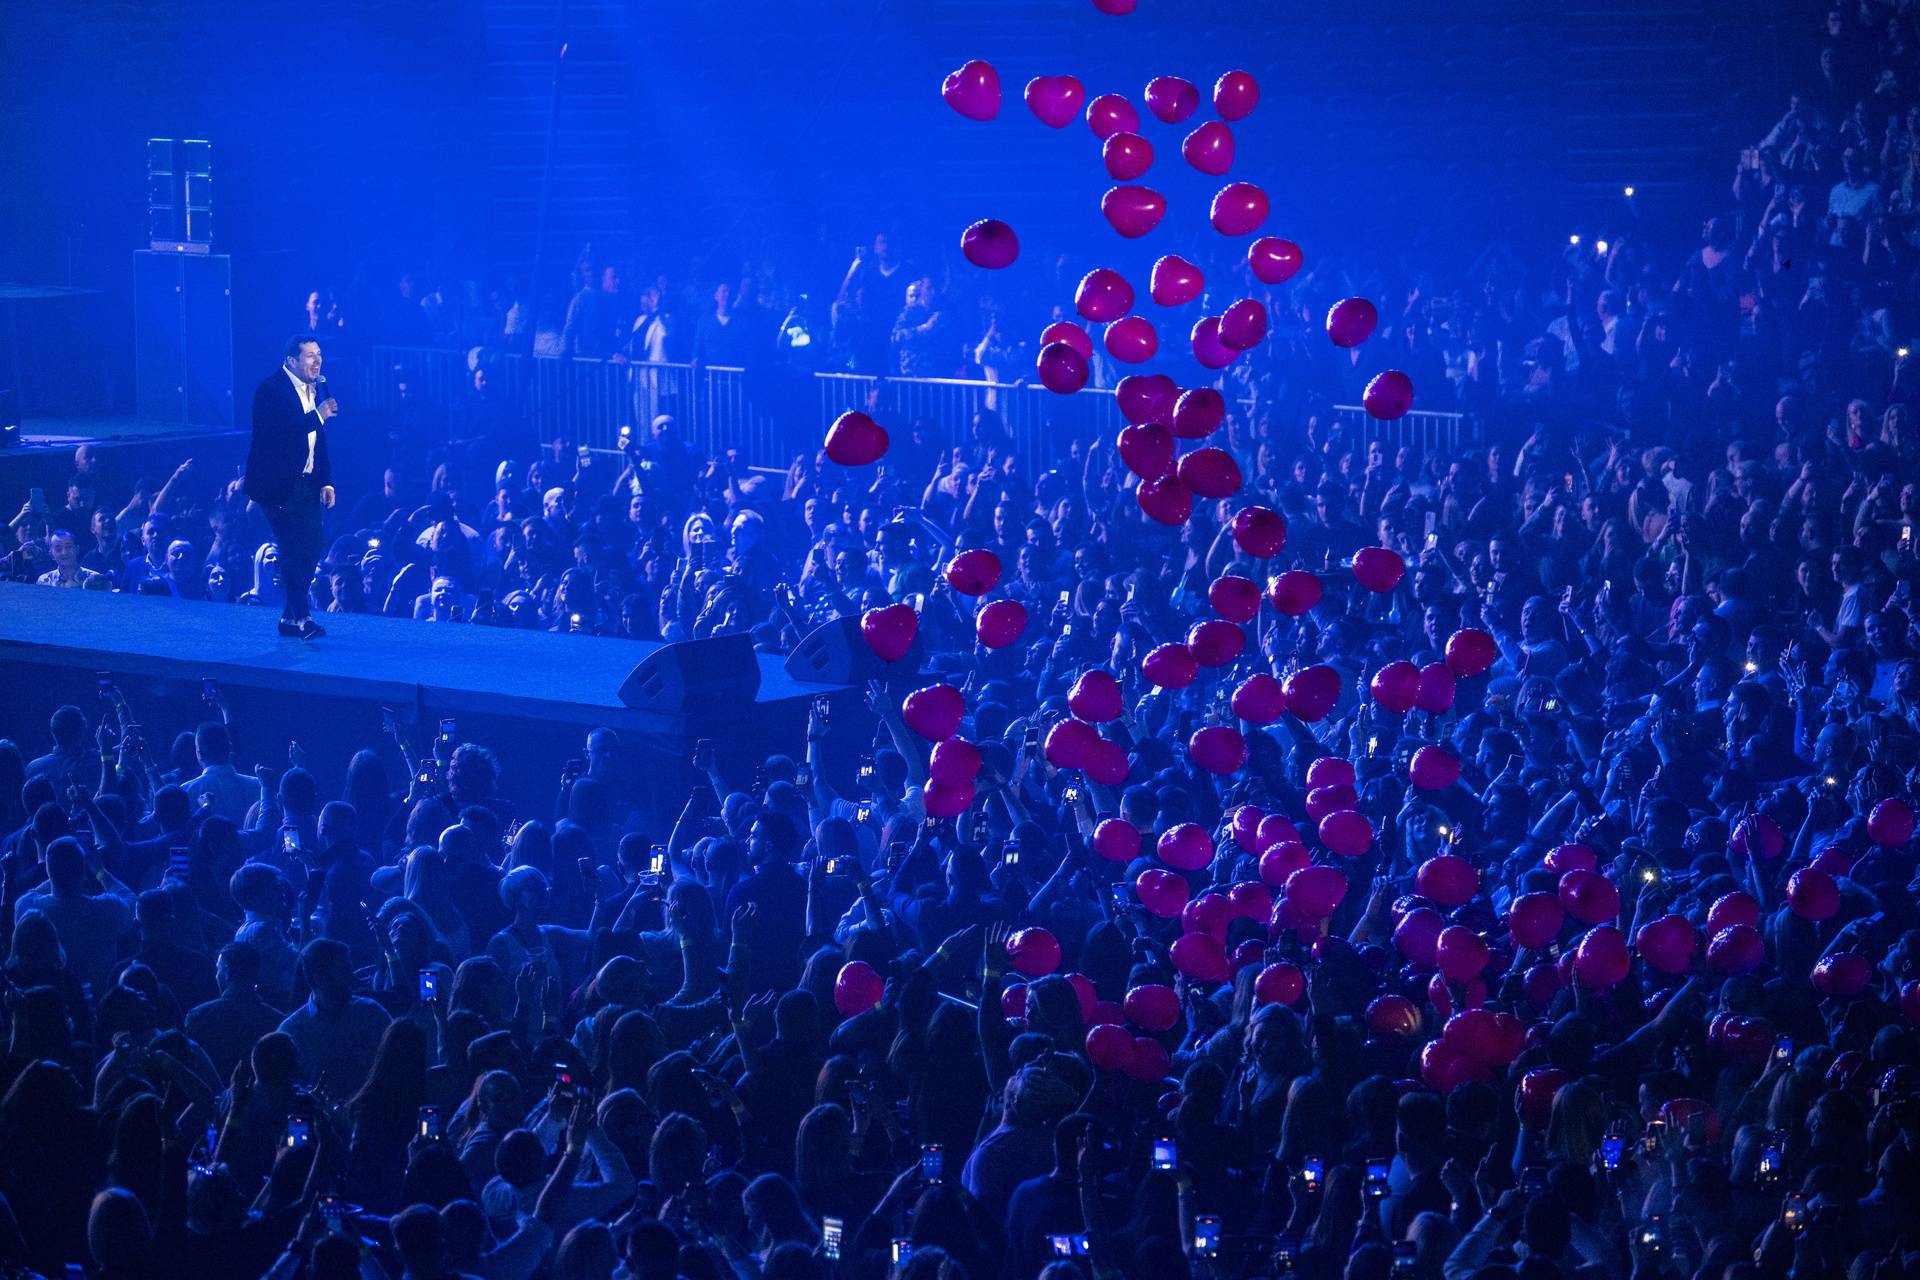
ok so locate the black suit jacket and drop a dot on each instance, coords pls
(278, 453)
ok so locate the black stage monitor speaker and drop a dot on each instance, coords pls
(836, 653)
(719, 672)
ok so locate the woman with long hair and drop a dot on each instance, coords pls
(383, 1114)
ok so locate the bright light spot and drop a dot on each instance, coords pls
(1629, 191)
(1573, 239)
(1599, 246)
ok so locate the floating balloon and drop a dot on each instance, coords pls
(1259, 532)
(1738, 948)
(1417, 934)
(1312, 691)
(1447, 879)
(1170, 666)
(1186, 847)
(1198, 413)
(1435, 694)
(1061, 368)
(1070, 333)
(1389, 395)
(1347, 833)
(1165, 500)
(1533, 1099)
(1259, 699)
(1131, 339)
(973, 90)
(1243, 325)
(1000, 623)
(945, 799)
(1294, 592)
(1095, 696)
(1471, 651)
(934, 711)
(1013, 1003)
(854, 439)
(1842, 975)
(1172, 99)
(1111, 113)
(1601, 960)
(1459, 953)
(973, 573)
(1146, 397)
(1116, 8)
(1668, 944)
(1563, 858)
(1132, 210)
(1107, 764)
(1474, 1034)
(1433, 769)
(1278, 863)
(1234, 598)
(1280, 983)
(990, 243)
(1378, 569)
(1210, 473)
(1071, 743)
(1331, 771)
(954, 760)
(1152, 1006)
(1127, 156)
(1246, 827)
(1150, 1062)
(889, 632)
(1207, 347)
(1175, 281)
(1758, 836)
(1324, 801)
(1251, 900)
(1103, 295)
(1350, 322)
(1200, 957)
(1033, 952)
(1534, 920)
(1218, 749)
(1238, 209)
(1812, 894)
(1209, 148)
(1161, 892)
(1444, 1068)
(1589, 897)
(1392, 1015)
(1055, 100)
(1116, 841)
(1273, 260)
(1109, 1048)
(1395, 686)
(1316, 890)
(1235, 95)
(1147, 451)
(1891, 823)
(1731, 909)
(857, 988)
(1215, 642)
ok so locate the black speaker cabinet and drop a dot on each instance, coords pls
(836, 653)
(183, 337)
(714, 675)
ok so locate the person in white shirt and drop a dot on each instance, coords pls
(224, 790)
(67, 570)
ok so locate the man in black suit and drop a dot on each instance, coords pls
(289, 475)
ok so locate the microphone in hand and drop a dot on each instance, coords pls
(328, 407)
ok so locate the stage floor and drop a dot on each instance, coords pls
(66, 433)
(455, 667)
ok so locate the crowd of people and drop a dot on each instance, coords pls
(1592, 950)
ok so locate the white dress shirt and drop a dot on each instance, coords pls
(307, 405)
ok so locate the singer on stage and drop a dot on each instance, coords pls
(289, 475)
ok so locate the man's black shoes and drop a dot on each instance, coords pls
(305, 629)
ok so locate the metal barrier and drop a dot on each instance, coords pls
(1041, 422)
(1427, 430)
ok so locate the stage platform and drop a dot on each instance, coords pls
(528, 695)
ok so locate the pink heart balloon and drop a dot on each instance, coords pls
(1235, 94)
(1147, 450)
(1127, 156)
(1109, 114)
(1061, 368)
(1260, 532)
(1198, 413)
(1166, 500)
(1055, 100)
(973, 90)
(1172, 99)
(973, 573)
(1273, 260)
(1209, 148)
(1070, 333)
(854, 439)
(1210, 473)
(1146, 397)
(1116, 8)
(1238, 209)
(1243, 325)
(889, 632)
(1175, 281)
(990, 243)
(1207, 347)
(1350, 322)
(1389, 395)
(1132, 340)
(1133, 211)
(1103, 295)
